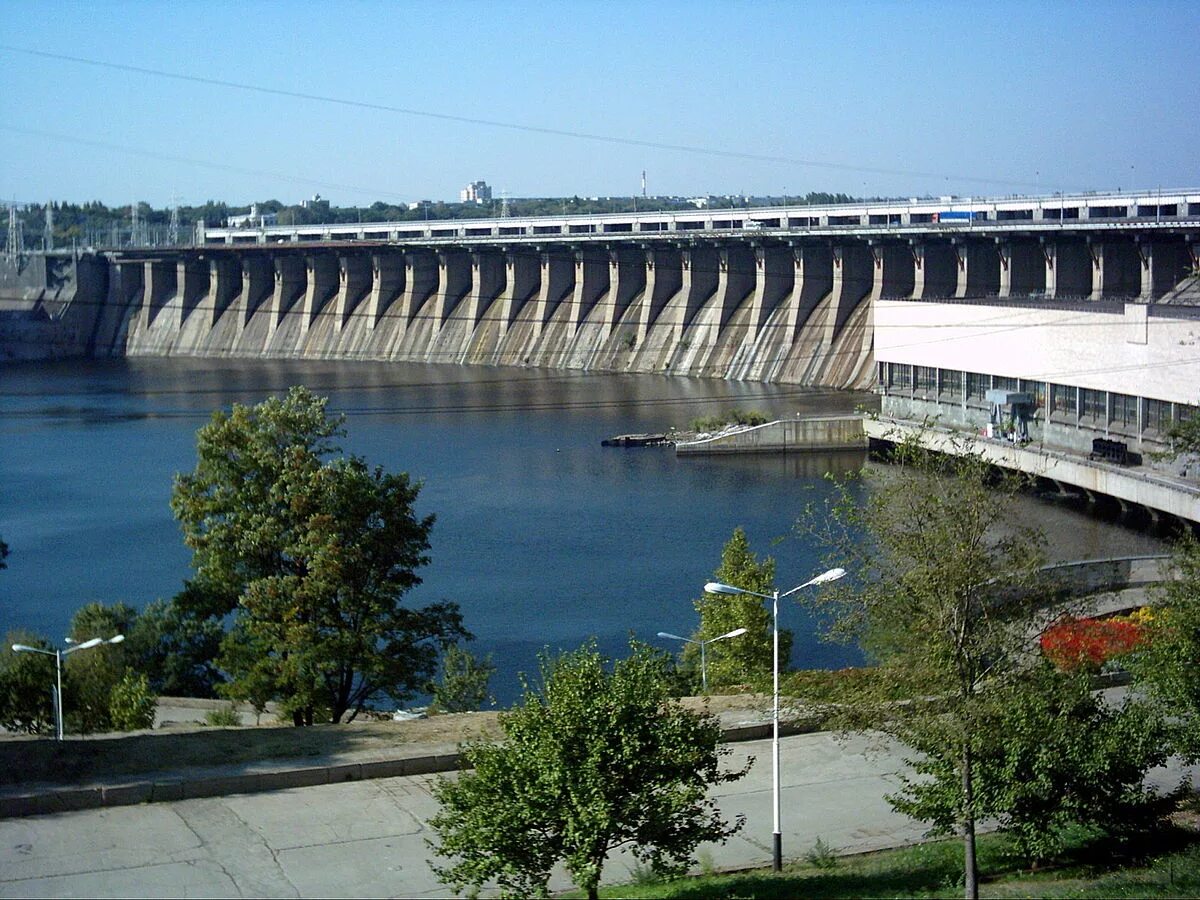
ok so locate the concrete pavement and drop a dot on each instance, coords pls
(367, 838)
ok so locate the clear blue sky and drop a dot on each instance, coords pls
(892, 98)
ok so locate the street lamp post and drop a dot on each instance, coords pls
(58, 658)
(716, 587)
(703, 645)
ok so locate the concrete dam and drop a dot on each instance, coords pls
(779, 294)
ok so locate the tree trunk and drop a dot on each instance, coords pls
(970, 868)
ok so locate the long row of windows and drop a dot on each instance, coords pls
(1059, 402)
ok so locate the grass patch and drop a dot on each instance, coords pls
(1163, 864)
(729, 417)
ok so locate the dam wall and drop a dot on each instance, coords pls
(700, 311)
(779, 299)
(720, 312)
(52, 306)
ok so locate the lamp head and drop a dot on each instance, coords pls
(716, 587)
(24, 648)
(831, 575)
(674, 637)
(731, 634)
(116, 639)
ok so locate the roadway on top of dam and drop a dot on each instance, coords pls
(1175, 213)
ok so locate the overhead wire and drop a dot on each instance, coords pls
(499, 123)
(420, 314)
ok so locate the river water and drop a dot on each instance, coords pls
(543, 537)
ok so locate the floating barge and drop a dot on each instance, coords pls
(636, 440)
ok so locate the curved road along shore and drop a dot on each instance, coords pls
(367, 838)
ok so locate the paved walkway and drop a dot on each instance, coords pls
(368, 838)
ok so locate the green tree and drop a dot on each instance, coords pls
(462, 685)
(314, 556)
(749, 657)
(944, 585)
(1167, 667)
(1065, 759)
(26, 679)
(233, 514)
(598, 758)
(90, 676)
(176, 650)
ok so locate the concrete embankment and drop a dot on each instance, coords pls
(784, 436)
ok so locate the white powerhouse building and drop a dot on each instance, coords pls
(1065, 372)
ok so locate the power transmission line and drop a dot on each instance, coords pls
(511, 126)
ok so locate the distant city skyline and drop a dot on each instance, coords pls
(251, 101)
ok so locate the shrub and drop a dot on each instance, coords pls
(1072, 643)
(821, 855)
(463, 686)
(132, 704)
(25, 683)
(223, 717)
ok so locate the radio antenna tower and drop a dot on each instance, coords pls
(49, 239)
(135, 224)
(504, 204)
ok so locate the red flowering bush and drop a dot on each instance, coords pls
(1089, 643)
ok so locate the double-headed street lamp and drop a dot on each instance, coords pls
(58, 658)
(715, 587)
(703, 645)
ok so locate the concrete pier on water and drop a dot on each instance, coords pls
(783, 436)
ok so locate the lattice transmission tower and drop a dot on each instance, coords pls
(15, 245)
(175, 221)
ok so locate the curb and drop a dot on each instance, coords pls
(167, 789)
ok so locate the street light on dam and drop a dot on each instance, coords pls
(703, 645)
(56, 689)
(716, 587)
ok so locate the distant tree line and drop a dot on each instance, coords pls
(94, 223)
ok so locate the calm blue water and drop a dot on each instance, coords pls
(543, 537)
